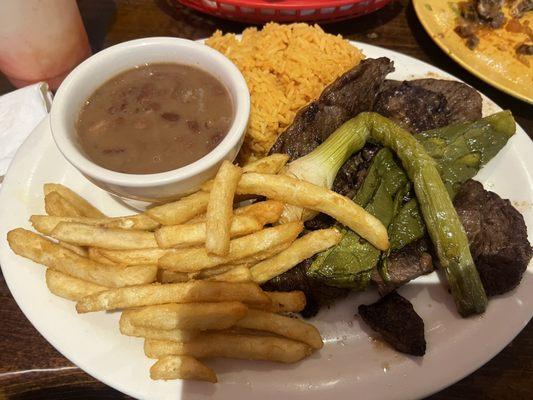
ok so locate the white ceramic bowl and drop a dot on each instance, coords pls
(93, 72)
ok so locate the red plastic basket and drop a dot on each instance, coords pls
(260, 11)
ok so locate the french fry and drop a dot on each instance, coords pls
(68, 287)
(306, 195)
(187, 235)
(229, 345)
(195, 220)
(237, 274)
(57, 205)
(141, 222)
(301, 249)
(288, 327)
(187, 292)
(271, 164)
(45, 224)
(95, 254)
(219, 212)
(106, 238)
(267, 211)
(182, 367)
(81, 251)
(136, 256)
(180, 211)
(208, 273)
(283, 302)
(43, 251)
(263, 255)
(86, 209)
(189, 316)
(165, 276)
(192, 260)
(177, 335)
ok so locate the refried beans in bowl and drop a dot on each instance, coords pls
(154, 118)
(151, 119)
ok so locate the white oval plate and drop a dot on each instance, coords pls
(350, 364)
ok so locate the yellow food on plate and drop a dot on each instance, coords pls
(177, 335)
(182, 367)
(239, 273)
(229, 345)
(57, 205)
(495, 58)
(85, 208)
(219, 214)
(197, 259)
(70, 288)
(187, 235)
(301, 249)
(291, 328)
(43, 251)
(283, 302)
(285, 67)
(188, 292)
(189, 316)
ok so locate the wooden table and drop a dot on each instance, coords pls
(30, 368)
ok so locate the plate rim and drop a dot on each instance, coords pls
(480, 361)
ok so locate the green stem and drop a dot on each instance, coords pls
(442, 221)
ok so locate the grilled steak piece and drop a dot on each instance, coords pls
(464, 102)
(490, 12)
(467, 32)
(405, 265)
(413, 108)
(497, 235)
(352, 93)
(425, 104)
(521, 7)
(348, 180)
(317, 295)
(398, 323)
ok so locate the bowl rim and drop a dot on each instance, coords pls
(80, 161)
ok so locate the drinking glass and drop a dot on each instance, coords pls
(41, 40)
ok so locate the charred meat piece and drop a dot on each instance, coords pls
(398, 323)
(497, 235)
(464, 102)
(477, 13)
(525, 49)
(405, 265)
(467, 32)
(317, 295)
(350, 94)
(468, 12)
(490, 12)
(347, 182)
(521, 7)
(413, 108)
(352, 174)
(446, 103)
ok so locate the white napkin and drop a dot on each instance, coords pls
(20, 112)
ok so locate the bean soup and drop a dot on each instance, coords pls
(154, 118)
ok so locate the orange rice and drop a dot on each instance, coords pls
(285, 67)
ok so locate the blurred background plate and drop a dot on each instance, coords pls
(493, 60)
(261, 11)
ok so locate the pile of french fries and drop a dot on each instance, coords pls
(186, 274)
